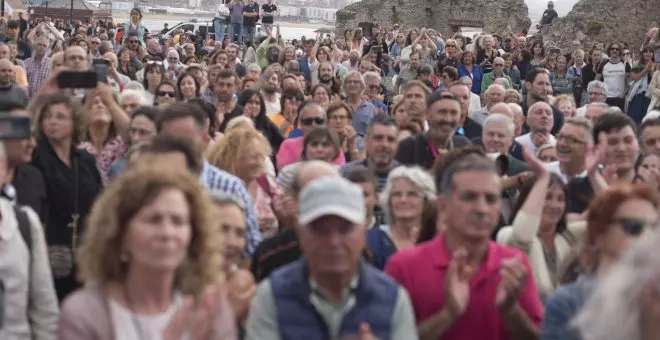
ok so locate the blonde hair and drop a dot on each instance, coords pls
(227, 153)
(239, 122)
(98, 259)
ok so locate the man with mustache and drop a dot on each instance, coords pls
(540, 122)
(9, 91)
(443, 114)
(573, 141)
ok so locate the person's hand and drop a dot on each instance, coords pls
(593, 158)
(349, 133)
(285, 206)
(513, 275)
(650, 33)
(539, 138)
(610, 174)
(533, 163)
(241, 289)
(651, 177)
(197, 317)
(457, 284)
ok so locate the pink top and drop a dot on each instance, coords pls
(112, 150)
(291, 152)
(421, 270)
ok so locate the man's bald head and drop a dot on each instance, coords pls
(312, 170)
(502, 108)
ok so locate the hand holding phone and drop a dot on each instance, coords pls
(77, 80)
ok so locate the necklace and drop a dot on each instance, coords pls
(134, 318)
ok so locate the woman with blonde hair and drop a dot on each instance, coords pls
(151, 261)
(566, 104)
(242, 152)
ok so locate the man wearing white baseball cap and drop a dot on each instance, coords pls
(303, 299)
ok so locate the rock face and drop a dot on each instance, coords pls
(604, 21)
(446, 16)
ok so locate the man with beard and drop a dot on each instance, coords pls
(443, 114)
(327, 77)
(363, 111)
(615, 72)
(415, 94)
(225, 97)
(9, 91)
(408, 73)
(539, 120)
(381, 145)
(272, 55)
(271, 92)
(538, 85)
(467, 126)
(573, 141)
(616, 147)
(232, 63)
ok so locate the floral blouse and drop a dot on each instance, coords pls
(112, 150)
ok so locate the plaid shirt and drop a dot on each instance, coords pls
(37, 73)
(213, 179)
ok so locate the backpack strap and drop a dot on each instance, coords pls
(24, 227)
(263, 183)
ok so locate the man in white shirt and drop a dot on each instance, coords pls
(494, 94)
(596, 93)
(540, 121)
(573, 141)
(615, 72)
(220, 21)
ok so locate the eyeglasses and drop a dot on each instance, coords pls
(374, 87)
(165, 94)
(313, 120)
(133, 41)
(615, 49)
(500, 65)
(596, 93)
(570, 139)
(95, 42)
(635, 226)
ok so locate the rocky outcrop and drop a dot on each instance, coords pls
(604, 21)
(446, 16)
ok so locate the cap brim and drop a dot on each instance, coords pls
(331, 210)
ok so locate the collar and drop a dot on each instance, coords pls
(441, 256)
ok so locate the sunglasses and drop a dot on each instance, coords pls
(313, 120)
(165, 94)
(634, 226)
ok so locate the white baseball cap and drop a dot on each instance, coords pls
(332, 196)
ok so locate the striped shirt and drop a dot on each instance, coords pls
(215, 179)
(382, 181)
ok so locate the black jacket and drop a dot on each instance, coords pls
(415, 150)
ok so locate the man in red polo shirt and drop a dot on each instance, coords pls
(461, 284)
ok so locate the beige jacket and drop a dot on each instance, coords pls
(85, 315)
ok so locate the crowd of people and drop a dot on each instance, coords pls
(390, 184)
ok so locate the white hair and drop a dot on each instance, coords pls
(614, 310)
(500, 119)
(134, 85)
(516, 109)
(494, 86)
(502, 82)
(597, 84)
(420, 179)
(371, 76)
(137, 93)
(653, 114)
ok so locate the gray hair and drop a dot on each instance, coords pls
(494, 86)
(223, 198)
(653, 114)
(500, 119)
(420, 179)
(544, 147)
(354, 74)
(502, 82)
(599, 104)
(585, 124)
(471, 162)
(254, 67)
(371, 76)
(614, 310)
(134, 84)
(512, 91)
(137, 93)
(597, 84)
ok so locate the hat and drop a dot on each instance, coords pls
(332, 196)
(12, 24)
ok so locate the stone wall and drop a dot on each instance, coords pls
(443, 15)
(604, 21)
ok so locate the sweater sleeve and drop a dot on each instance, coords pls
(524, 230)
(43, 307)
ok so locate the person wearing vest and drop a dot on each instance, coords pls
(303, 299)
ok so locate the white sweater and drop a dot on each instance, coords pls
(40, 322)
(522, 234)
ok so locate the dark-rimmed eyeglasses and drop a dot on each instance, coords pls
(165, 94)
(312, 120)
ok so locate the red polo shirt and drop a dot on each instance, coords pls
(421, 270)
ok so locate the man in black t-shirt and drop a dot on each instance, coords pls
(269, 11)
(250, 18)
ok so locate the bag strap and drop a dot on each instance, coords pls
(24, 227)
(263, 183)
